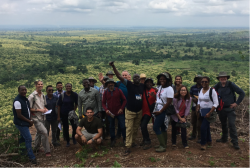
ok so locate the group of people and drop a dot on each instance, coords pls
(132, 104)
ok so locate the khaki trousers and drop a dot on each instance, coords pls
(41, 135)
(132, 123)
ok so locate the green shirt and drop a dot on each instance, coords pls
(89, 99)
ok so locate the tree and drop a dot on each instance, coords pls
(234, 73)
(136, 62)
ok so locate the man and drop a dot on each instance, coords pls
(196, 122)
(129, 77)
(93, 129)
(110, 74)
(37, 104)
(133, 112)
(22, 121)
(142, 78)
(51, 119)
(226, 89)
(112, 103)
(59, 87)
(89, 97)
(92, 82)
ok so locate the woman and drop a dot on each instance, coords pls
(164, 98)
(204, 109)
(66, 103)
(182, 107)
(148, 98)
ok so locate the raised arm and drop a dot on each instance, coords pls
(118, 75)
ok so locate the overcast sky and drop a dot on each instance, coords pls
(167, 13)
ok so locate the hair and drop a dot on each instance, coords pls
(48, 87)
(36, 82)
(125, 71)
(19, 87)
(206, 77)
(58, 83)
(187, 96)
(169, 81)
(72, 93)
(89, 108)
(176, 77)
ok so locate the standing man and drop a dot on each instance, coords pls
(59, 87)
(133, 112)
(89, 97)
(37, 104)
(92, 82)
(226, 90)
(196, 122)
(112, 103)
(51, 119)
(110, 74)
(22, 121)
(142, 78)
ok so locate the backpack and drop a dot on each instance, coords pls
(221, 103)
(118, 84)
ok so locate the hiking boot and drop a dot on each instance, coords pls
(126, 152)
(221, 140)
(112, 144)
(133, 145)
(33, 161)
(203, 147)
(209, 143)
(160, 149)
(165, 136)
(147, 145)
(191, 138)
(236, 146)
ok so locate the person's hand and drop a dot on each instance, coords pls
(84, 140)
(46, 109)
(233, 105)
(31, 123)
(153, 94)
(111, 63)
(156, 112)
(195, 100)
(89, 142)
(207, 115)
(120, 111)
(100, 75)
(42, 110)
(182, 120)
(107, 112)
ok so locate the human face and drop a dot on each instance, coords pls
(163, 80)
(198, 81)
(111, 76)
(59, 87)
(223, 79)
(204, 83)
(125, 75)
(149, 84)
(92, 83)
(136, 79)
(178, 80)
(68, 88)
(183, 91)
(89, 114)
(86, 84)
(22, 91)
(111, 86)
(129, 77)
(49, 91)
(39, 86)
(142, 80)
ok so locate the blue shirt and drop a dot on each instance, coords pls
(194, 90)
(51, 105)
(96, 87)
(123, 88)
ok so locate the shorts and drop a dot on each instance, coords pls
(88, 135)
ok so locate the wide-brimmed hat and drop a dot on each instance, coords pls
(91, 78)
(142, 75)
(109, 80)
(222, 74)
(110, 73)
(105, 78)
(163, 74)
(196, 77)
(149, 79)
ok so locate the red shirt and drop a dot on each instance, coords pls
(151, 100)
(112, 101)
(182, 108)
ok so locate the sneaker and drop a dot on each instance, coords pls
(203, 147)
(191, 138)
(221, 140)
(112, 144)
(33, 161)
(160, 149)
(173, 145)
(126, 152)
(48, 154)
(236, 146)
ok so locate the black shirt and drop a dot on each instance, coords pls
(135, 92)
(91, 127)
(51, 105)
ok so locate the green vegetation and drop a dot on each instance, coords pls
(116, 164)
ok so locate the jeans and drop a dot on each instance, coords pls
(66, 127)
(227, 118)
(183, 133)
(26, 137)
(144, 127)
(54, 126)
(205, 131)
(159, 125)
(121, 122)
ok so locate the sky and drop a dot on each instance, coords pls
(153, 13)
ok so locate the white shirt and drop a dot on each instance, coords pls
(17, 106)
(204, 99)
(162, 95)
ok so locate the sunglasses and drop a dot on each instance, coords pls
(204, 81)
(37, 80)
(51, 90)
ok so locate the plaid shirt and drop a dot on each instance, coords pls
(101, 91)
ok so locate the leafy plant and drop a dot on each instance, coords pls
(116, 164)
(211, 163)
(233, 164)
(116, 155)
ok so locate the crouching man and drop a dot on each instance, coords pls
(93, 129)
